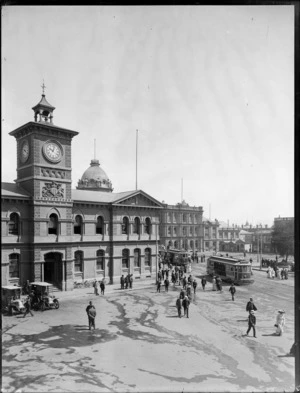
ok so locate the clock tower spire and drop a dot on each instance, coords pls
(43, 111)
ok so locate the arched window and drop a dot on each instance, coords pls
(191, 231)
(78, 261)
(13, 224)
(125, 226)
(100, 259)
(136, 225)
(14, 265)
(169, 231)
(184, 231)
(125, 259)
(137, 257)
(192, 244)
(176, 244)
(78, 225)
(148, 257)
(53, 224)
(197, 244)
(100, 226)
(148, 226)
(175, 231)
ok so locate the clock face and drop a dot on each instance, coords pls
(52, 151)
(24, 151)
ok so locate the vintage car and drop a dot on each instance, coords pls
(42, 296)
(11, 299)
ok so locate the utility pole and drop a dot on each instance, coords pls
(156, 246)
(136, 160)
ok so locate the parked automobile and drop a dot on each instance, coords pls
(42, 296)
(11, 300)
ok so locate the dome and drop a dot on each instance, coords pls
(94, 178)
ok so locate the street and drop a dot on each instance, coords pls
(140, 345)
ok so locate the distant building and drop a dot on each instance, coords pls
(181, 227)
(210, 235)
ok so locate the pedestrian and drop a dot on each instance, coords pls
(286, 274)
(186, 305)
(96, 287)
(280, 322)
(282, 273)
(126, 282)
(273, 273)
(188, 289)
(184, 282)
(232, 290)
(182, 294)
(158, 284)
(122, 281)
(250, 306)
(102, 287)
(159, 275)
(27, 305)
(163, 274)
(251, 323)
(91, 313)
(167, 282)
(179, 306)
(131, 280)
(214, 285)
(173, 278)
(203, 283)
(195, 285)
(218, 283)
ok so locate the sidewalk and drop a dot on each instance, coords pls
(109, 288)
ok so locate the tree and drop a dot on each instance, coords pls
(283, 238)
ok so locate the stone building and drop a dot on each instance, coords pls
(181, 227)
(53, 233)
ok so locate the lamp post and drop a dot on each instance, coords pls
(156, 246)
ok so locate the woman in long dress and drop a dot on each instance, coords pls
(280, 322)
(214, 284)
(97, 286)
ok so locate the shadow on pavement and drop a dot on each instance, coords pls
(172, 316)
(272, 334)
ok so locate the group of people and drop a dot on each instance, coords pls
(126, 282)
(277, 272)
(279, 323)
(217, 283)
(99, 285)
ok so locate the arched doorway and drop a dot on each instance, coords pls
(53, 269)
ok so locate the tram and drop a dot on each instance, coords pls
(179, 258)
(230, 269)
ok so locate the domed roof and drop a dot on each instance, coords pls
(94, 178)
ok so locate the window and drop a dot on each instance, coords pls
(13, 224)
(148, 226)
(78, 263)
(191, 231)
(169, 215)
(100, 226)
(184, 217)
(125, 259)
(100, 260)
(78, 225)
(148, 257)
(137, 257)
(184, 231)
(136, 225)
(125, 226)
(169, 230)
(196, 244)
(175, 231)
(176, 244)
(53, 225)
(14, 265)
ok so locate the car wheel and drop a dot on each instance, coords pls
(56, 304)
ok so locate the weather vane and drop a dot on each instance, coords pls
(43, 87)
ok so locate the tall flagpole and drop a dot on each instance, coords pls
(136, 160)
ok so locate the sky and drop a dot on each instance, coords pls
(210, 90)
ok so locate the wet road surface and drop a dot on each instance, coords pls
(140, 344)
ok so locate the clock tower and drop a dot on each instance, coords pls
(44, 171)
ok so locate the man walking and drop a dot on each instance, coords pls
(102, 287)
(186, 305)
(195, 286)
(250, 306)
(167, 282)
(27, 305)
(232, 290)
(122, 281)
(91, 313)
(158, 285)
(179, 306)
(203, 283)
(251, 323)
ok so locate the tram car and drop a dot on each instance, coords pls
(230, 269)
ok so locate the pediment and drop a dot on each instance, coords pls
(139, 199)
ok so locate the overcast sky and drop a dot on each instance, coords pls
(210, 89)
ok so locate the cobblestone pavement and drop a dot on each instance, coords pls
(140, 345)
